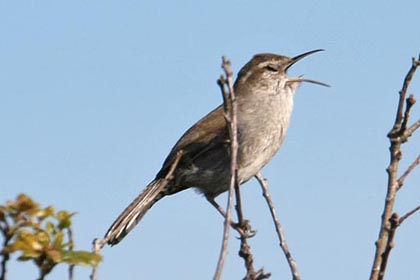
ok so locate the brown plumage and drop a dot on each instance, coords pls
(264, 96)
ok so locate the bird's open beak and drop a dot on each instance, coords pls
(301, 79)
(295, 59)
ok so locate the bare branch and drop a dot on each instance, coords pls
(394, 223)
(245, 231)
(6, 256)
(410, 101)
(230, 115)
(408, 214)
(96, 248)
(403, 93)
(71, 267)
(409, 131)
(279, 228)
(398, 135)
(407, 172)
(243, 228)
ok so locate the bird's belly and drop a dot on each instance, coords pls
(254, 156)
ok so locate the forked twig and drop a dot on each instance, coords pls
(394, 222)
(403, 92)
(398, 135)
(230, 110)
(230, 116)
(389, 245)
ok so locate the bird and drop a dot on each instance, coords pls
(201, 157)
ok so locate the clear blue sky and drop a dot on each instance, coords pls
(93, 94)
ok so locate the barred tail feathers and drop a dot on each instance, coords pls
(130, 217)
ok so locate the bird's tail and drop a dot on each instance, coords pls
(135, 211)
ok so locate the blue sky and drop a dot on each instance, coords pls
(95, 93)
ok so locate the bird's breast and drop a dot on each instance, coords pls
(262, 125)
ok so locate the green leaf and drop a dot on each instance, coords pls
(27, 243)
(39, 234)
(81, 258)
(43, 238)
(50, 227)
(64, 219)
(25, 203)
(58, 241)
(45, 213)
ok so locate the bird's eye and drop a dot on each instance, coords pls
(272, 67)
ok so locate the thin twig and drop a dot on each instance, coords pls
(97, 246)
(393, 225)
(398, 135)
(230, 116)
(71, 267)
(243, 228)
(409, 131)
(409, 103)
(6, 256)
(279, 228)
(245, 231)
(408, 214)
(403, 91)
(407, 172)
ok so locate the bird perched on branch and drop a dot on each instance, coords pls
(201, 157)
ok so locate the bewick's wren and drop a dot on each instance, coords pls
(264, 96)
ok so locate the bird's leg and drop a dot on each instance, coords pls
(216, 205)
(244, 230)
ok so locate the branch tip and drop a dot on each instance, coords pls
(398, 135)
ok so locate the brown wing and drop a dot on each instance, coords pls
(208, 133)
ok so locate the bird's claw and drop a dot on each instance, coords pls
(244, 229)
